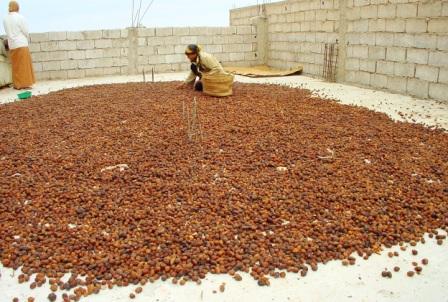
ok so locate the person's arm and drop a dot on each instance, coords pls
(190, 78)
(211, 63)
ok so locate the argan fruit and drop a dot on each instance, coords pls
(396, 269)
(52, 297)
(222, 287)
(414, 252)
(425, 261)
(410, 273)
(418, 269)
(237, 277)
(132, 295)
(138, 290)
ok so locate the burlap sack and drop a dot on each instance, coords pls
(218, 84)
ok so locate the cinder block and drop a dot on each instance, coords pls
(95, 72)
(112, 71)
(395, 25)
(443, 75)
(416, 25)
(367, 65)
(438, 58)
(442, 42)
(387, 11)
(404, 40)
(43, 75)
(103, 43)
(369, 12)
(397, 84)
(86, 64)
(57, 56)
(353, 13)
(164, 31)
(181, 31)
(425, 41)
(430, 9)
(165, 50)
(407, 10)
(49, 46)
(397, 54)
(57, 36)
(145, 51)
(112, 34)
(77, 54)
(75, 35)
(202, 40)
(146, 32)
(104, 62)
(111, 52)
(418, 88)
(385, 67)
(367, 39)
(244, 30)
(352, 64)
(70, 64)
(85, 44)
(67, 45)
(94, 53)
(212, 48)
(404, 69)
(175, 58)
(124, 33)
(427, 73)
(419, 56)
(92, 34)
(76, 74)
(438, 91)
(119, 62)
(378, 80)
(236, 56)
(445, 9)
(194, 40)
(50, 66)
(230, 30)
(377, 52)
(58, 75)
(438, 25)
(377, 25)
(120, 43)
(39, 37)
(384, 39)
(34, 47)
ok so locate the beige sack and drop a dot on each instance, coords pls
(217, 84)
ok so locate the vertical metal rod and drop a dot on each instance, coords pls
(144, 76)
(152, 74)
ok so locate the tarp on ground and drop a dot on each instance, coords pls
(263, 71)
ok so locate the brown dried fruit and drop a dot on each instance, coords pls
(15, 300)
(132, 296)
(138, 290)
(52, 297)
(425, 261)
(136, 159)
(418, 269)
(414, 252)
(237, 277)
(396, 269)
(30, 299)
(410, 273)
(222, 287)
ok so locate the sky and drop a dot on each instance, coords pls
(57, 15)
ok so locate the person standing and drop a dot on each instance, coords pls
(17, 33)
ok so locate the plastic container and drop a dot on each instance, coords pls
(24, 95)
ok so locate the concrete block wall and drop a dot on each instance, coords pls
(66, 55)
(396, 45)
(297, 31)
(399, 45)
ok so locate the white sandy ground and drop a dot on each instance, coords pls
(332, 282)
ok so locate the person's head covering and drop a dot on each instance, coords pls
(13, 6)
(192, 49)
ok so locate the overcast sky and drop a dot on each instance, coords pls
(63, 15)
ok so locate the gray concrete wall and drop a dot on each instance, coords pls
(396, 45)
(64, 55)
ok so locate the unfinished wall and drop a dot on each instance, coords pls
(63, 55)
(397, 45)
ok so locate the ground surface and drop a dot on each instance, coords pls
(246, 160)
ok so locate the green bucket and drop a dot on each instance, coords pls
(24, 95)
